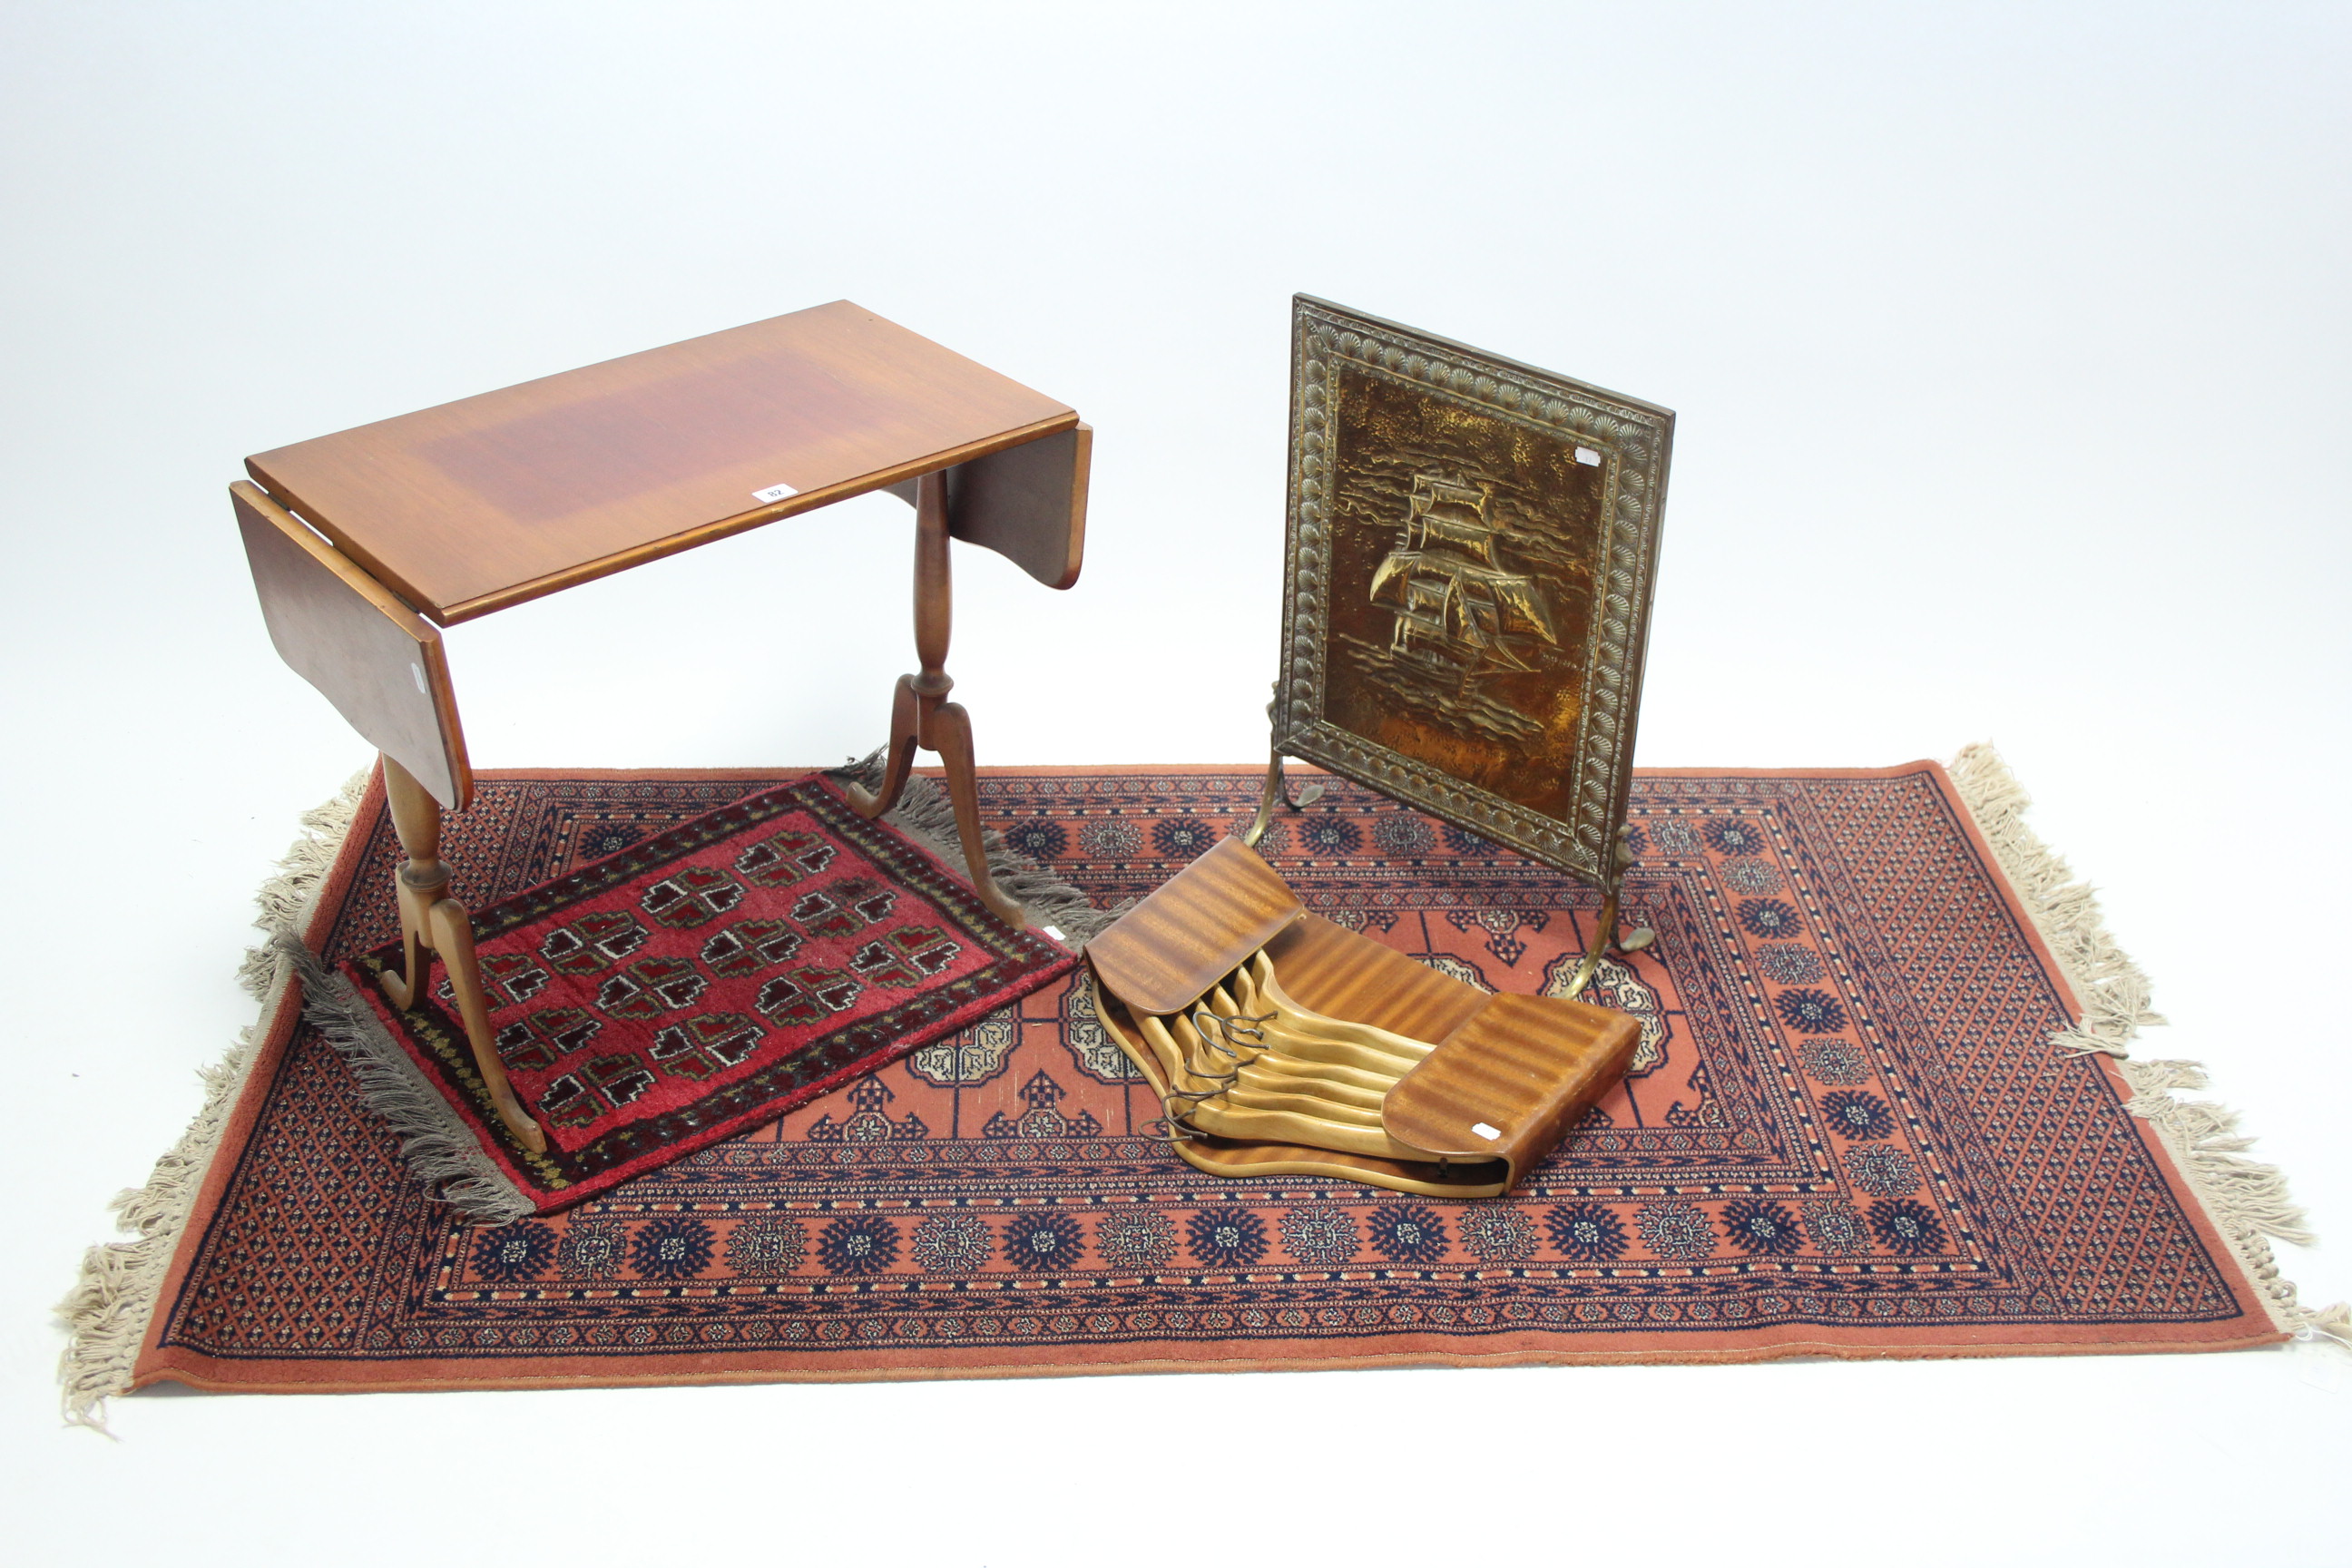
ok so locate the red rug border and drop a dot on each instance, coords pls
(421, 1378)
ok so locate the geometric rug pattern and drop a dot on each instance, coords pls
(1844, 1134)
(703, 980)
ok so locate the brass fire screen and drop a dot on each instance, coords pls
(1472, 548)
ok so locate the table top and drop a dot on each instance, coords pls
(486, 502)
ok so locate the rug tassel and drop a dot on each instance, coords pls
(2114, 990)
(436, 1146)
(925, 815)
(105, 1315)
(2246, 1199)
(2330, 1325)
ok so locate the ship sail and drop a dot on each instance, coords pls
(1520, 607)
(1389, 577)
(1458, 528)
(1454, 601)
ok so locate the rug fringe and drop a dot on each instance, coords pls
(926, 814)
(436, 1144)
(2114, 990)
(2246, 1199)
(105, 1315)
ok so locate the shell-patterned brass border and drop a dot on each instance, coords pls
(1635, 440)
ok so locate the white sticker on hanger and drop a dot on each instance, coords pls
(774, 493)
(1588, 457)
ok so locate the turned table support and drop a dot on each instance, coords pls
(920, 714)
(433, 922)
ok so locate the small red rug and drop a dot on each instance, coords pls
(706, 979)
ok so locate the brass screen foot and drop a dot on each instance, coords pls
(1278, 788)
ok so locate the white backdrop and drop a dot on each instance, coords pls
(2009, 347)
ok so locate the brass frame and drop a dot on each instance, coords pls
(1635, 440)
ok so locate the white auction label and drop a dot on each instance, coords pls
(775, 493)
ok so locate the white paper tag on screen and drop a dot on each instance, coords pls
(1588, 457)
(774, 493)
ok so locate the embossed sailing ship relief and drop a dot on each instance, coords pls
(1457, 604)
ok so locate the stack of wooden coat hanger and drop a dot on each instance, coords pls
(1280, 1043)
